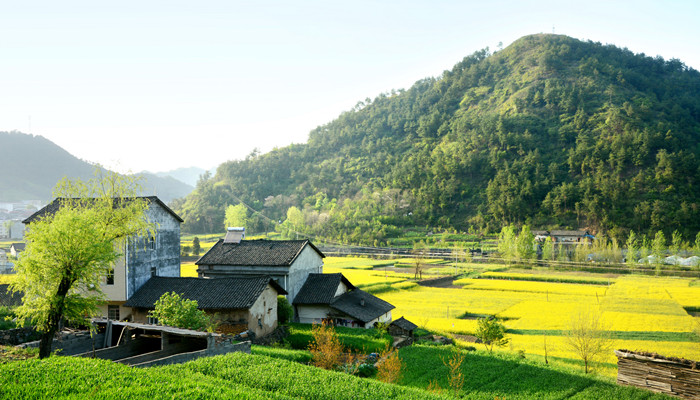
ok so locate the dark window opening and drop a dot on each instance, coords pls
(113, 312)
(154, 271)
(110, 276)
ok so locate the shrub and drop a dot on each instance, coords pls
(491, 332)
(172, 310)
(285, 311)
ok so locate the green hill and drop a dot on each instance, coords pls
(34, 164)
(550, 131)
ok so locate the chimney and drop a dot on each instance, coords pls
(234, 235)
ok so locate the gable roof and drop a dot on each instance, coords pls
(256, 252)
(321, 288)
(361, 305)
(18, 246)
(210, 294)
(404, 324)
(55, 205)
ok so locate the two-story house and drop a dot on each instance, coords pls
(144, 257)
(288, 262)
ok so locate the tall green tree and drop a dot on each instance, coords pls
(70, 252)
(525, 244)
(507, 243)
(658, 249)
(632, 249)
(236, 216)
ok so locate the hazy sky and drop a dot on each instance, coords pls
(155, 85)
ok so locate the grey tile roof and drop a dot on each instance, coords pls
(210, 294)
(9, 299)
(256, 252)
(361, 305)
(320, 288)
(55, 205)
(568, 233)
(405, 324)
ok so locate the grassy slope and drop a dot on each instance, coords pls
(237, 375)
(244, 376)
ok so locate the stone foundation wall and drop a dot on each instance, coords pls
(13, 337)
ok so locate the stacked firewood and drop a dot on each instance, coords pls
(674, 376)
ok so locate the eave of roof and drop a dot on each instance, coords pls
(55, 205)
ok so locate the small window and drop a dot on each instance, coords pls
(113, 312)
(110, 276)
(151, 242)
(154, 271)
(153, 320)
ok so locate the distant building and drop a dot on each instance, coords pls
(16, 248)
(564, 237)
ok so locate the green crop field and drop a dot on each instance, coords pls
(273, 373)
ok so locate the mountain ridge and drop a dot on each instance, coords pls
(550, 131)
(37, 164)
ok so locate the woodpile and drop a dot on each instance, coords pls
(674, 376)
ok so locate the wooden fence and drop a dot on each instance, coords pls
(674, 376)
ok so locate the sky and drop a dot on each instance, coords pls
(160, 85)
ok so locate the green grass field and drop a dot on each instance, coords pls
(271, 373)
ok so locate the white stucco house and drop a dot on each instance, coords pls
(333, 298)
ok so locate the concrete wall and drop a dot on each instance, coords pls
(263, 314)
(309, 314)
(72, 343)
(125, 313)
(309, 261)
(184, 357)
(140, 258)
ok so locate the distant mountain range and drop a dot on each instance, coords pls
(189, 175)
(33, 165)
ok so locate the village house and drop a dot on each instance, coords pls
(238, 304)
(565, 237)
(332, 297)
(288, 262)
(144, 257)
(16, 248)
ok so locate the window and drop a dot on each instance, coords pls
(151, 242)
(153, 320)
(113, 312)
(110, 276)
(154, 271)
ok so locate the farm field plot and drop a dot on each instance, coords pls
(643, 313)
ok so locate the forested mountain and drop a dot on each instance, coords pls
(550, 131)
(32, 165)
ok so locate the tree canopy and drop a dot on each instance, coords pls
(70, 251)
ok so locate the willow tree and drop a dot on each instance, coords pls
(72, 247)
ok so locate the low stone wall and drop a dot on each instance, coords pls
(672, 376)
(71, 343)
(13, 337)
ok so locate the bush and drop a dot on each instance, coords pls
(285, 311)
(172, 310)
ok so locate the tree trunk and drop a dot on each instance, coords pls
(54, 318)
